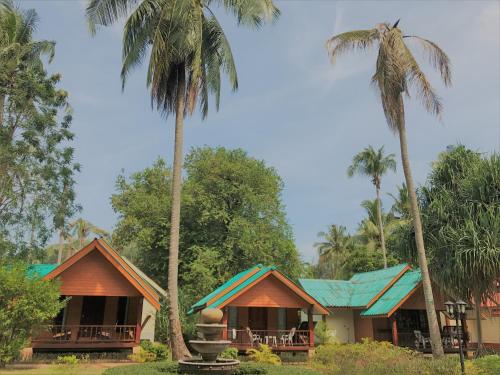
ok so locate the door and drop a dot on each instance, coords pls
(93, 310)
(257, 318)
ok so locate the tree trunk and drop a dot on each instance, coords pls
(179, 349)
(2, 104)
(381, 226)
(477, 301)
(61, 247)
(437, 345)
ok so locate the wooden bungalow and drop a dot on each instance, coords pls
(112, 304)
(263, 306)
(384, 305)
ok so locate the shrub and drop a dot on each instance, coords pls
(325, 335)
(26, 303)
(263, 354)
(161, 351)
(489, 364)
(152, 368)
(142, 356)
(250, 369)
(229, 353)
(67, 360)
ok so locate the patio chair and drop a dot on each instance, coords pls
(288, 338)
(254, 338)
(421, 340)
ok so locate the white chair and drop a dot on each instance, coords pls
(421, 340)
(288, 338)
(254, 338)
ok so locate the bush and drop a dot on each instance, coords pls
(161, 351)
(67, 360)
(376, 358)
(263, 354)
(325, 335)
(142, 356)
(489, 364)
(153, 368)
(250, 369)
(229, 353)
(26, 303)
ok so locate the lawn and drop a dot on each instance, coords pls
(81, 369)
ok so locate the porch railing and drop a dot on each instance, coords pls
(273, 338)
(87, 333)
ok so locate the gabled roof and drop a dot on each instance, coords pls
(396, 295)
(245, 280)
(125, 267)
(39, 270)
(361, 291)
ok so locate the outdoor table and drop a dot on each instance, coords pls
(273, 339)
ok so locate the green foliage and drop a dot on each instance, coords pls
(374, 358)
(232, 218)
(70, 360)
(489, 364)
(251, 369)
(229, 353)
(152, 368)
(142, 355)
(372, 163)
(161, 351)
(325, 335)
(25, 304)
(333, 252)
(263, 354)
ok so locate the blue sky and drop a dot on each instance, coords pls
(293, 109)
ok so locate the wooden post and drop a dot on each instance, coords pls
(440, 324)
(311, 326)
(224, 321)
(394, 329)
(139, 320)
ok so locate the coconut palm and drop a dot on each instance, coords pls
(332, 251)
(188, 51)
(80, 230)
(396, 71)
(18, 50)
(401, 206)
(374, 164)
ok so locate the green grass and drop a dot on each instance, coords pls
(80, 369)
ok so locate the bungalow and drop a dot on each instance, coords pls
(112, 304)
(262, 306)
(389, 305)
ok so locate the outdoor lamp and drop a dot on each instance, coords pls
(461, 306)
(449, 307)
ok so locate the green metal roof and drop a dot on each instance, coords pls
(227, 285)
(395, 294)
(40, 270)
(356, 292)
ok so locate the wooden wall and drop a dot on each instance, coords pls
(93, 275)
(269, 292)
(362, 327)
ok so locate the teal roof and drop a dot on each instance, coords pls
(356, 292)
(40, 270)
(201, 304)
(395, 294)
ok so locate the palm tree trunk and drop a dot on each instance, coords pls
(435, 334)
(179, 349)
(381, 226)
(477, 300)
(2, 103)
(61, 247)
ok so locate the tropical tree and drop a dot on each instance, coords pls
(332, 251)
(374, 164)
(401, 206)
(80, 230)
(368, 232)
(187, 50)
(396, 70)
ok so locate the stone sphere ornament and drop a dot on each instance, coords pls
(211, 316)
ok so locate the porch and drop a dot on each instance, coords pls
(282, 329)
(94, 322)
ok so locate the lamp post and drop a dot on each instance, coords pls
(457, 310)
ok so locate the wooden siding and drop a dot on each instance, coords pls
(269, 293)
(417, 302)
(362, 327)
(93, 275)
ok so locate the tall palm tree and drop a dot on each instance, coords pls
(395, 71)
(188, 51)
(374, 164)
(332, 250)
(401, 206)
(18, 50)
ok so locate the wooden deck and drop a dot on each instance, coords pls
(277, 340)
(86, 337)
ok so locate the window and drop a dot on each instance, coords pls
(281, 318)
(233, 317)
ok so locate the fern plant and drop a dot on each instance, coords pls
(263, 354)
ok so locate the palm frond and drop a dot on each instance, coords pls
(107, 12)
(250, 13)
(351, 40)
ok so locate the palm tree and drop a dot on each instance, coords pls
(332, 250)
(401, 206)
(18, 50)
(187, 50)
(81, 229)
(369, 230)
(395, 71)
(374, 164)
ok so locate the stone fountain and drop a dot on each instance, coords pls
(209, 348)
